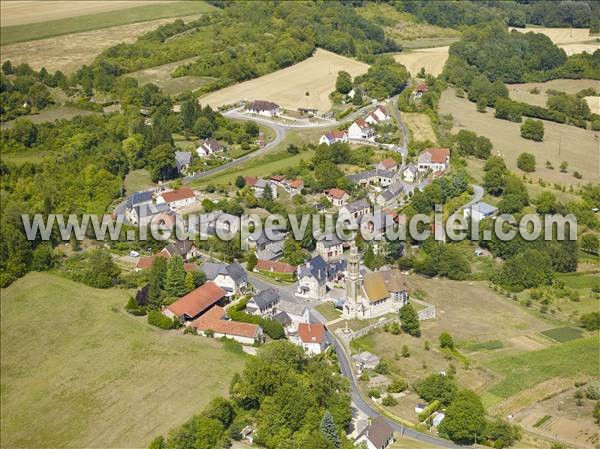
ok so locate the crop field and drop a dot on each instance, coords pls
(32, 20)
(77, 371)
(303, 85)
(563, 334)
(432, 59)
(419, 125)
(161, 76)
(522, 92)
(571, 49)
(52, 114)
(559, 35)
(579, 147)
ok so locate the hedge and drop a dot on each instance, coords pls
(155, 318)
(426, 413)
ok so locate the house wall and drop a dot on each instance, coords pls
(315, 290)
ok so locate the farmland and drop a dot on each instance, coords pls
(580, 150)
(52, 114)
(77, 371)
(522, 92)
(303, 85)
(419, 125)
(432, 59)
(25, 21)
(559, 35)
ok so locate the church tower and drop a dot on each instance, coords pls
(352, 282)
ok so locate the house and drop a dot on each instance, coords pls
(334, 136)
(297, 313)
(183, 160)
(410, 173)
(330, 247)
(389, 197)
(360, 129)
(365, 360)
(277, 180)
(259, 186)
(479, 211)
(338, 197)
(192, 305)
(314, 275)
(379, 114)
(139, 198)
(185, 248)
(387, 164)
(354, 210)
(265, 238)
(143, 214)
(208, 147)
(377, 176)
(419, 91)
(294, 187)
(312, 337)
(272, 251)
(376, 224)
(264, 304)
(434, 159)
(377, 435)
(232, 278)
(265, 108)
(213, 323)
(177, 199)
(275, 267)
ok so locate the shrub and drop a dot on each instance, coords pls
(446, 340)
(190, 330)
(383, 367)
(374, 393)
(533, 130)
(398, 385)
(592, 392)
(389, 401)
(526, 162)
(155, 318)
(426, 413)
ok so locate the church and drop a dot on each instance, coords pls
(373, 295)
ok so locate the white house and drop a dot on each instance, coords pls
(315, 274)
(434, 159)
(334, 136)
(360, 129)
(354, 210)
(177, 199)
(294, 186)
(410, 173)
(330, 247)
(479, 211)
(298, 313)
(338, 197)
(259, 186)
(312, 337)
(264, 108)
(387, 164)
(264, 304)
(232, 278)
(208, 147)
(377, 435)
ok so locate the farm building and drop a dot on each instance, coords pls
(265, 108)
(196, 302)
(214, 322)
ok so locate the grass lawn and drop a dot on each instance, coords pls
(328, 310)
(524, 370)
(580, 280)
(563, 334)
(77, 371)
(42, 30)
(31, 155)
(137, 180)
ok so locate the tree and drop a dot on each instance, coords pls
(446, 340)
(101, 270)
(221, 410)
(343, 83)
(240, 182)
(329, 430)
(546, 203)
(590, 243)
(437, 387)
(155, 281)
(409, 320)
(158, 443)
(293, 252)
(175, 284)
(357, 99)
(591, 321)
(7, 68)
(188, 114)
(465, 419)
(504, 433)
(533, 130)
(526, 162)
(162, 163)
(251, 261)
(133, 147)
(24, 132)
(203, 127)
(190, 283)
(528, 269)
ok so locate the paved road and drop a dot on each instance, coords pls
(477, 195)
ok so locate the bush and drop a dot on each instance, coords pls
(526, 162)
(437, 387)
(155, 318)
(592, 392)
(389, 401)
(397, 386)
(374, 393)
(591, 321)
(383, 367)
(426, 413)
(133, 308)
(533, 130)
(446, 340)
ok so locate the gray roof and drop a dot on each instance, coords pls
(378, 432)
(212, 270)
(139, 198)
(381, 221)
(264, 238)
(291, 307)
(237, 272)
(382, 173)
(282, 318)
(392, 191)
(183, 158)
(355, 178)
(330, 240)
(412, 168)
(271, 252)
(484, 208)
(181, 247)
(266, 298)
(316, 267)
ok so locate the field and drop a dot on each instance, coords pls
(77, 371)
(577, 146)
(289, 87)
(161, 76)
(26, 20)
(563, 334)
(137, 180)
(432, 59)
(52, 114)
(521, 92)
(560, 35)
(419, 125)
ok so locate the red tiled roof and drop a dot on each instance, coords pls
(144, 263)
(311, 332)
(177, 195)
(439, 155)
(361, 123)
(336, 193)
(277, 178)
(296, 184)
(198, 300)
(389, 163)
(250, 180)
(382, 109)
(422, 88)
(213, 320)
(275, 266)
(188, 266)
(337, 134)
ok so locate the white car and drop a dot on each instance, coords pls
(134, 254)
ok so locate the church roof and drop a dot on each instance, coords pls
(379, 285)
